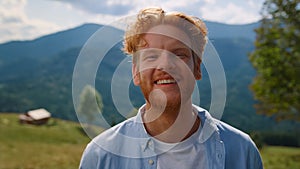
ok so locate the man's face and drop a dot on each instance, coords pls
(165, 69)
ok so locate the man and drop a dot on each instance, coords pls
(169, 131)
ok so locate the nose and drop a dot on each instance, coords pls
(166, 61)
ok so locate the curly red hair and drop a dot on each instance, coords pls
(150, 17)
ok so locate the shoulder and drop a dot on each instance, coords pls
(115, 135)
(101, 148)
(129, 128)
(239, 147)
(237, 144)
(234, 138)
(229, 132)
(109, 145)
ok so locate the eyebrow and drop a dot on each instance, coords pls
(179, 44)
(181, 48)
(150, 50)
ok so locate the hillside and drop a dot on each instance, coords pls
(60, 143)
(38, 73)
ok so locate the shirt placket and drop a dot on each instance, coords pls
(220, 153)
(150, 162)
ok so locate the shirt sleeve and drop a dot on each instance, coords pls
(254, 158)
(90, 157)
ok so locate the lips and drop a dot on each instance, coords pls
(165, 81)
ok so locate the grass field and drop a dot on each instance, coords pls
(281, 157)
(59, 145)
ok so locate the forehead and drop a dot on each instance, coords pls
(166, 35)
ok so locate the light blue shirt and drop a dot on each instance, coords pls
(128, 146)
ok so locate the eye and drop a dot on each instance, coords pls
(150, 57)
(181, 55)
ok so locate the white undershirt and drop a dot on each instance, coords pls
(189, 154)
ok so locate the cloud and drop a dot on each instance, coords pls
(28, 19)
(111, 7)
(10, 11)
(210, 1)
(229, 13)
(15, 25)
(254, 4)
(125, 7)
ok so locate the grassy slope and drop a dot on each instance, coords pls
(281, 157)
(59, 145)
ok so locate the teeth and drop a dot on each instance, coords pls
(166, 81)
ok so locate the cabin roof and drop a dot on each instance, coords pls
(39, 114)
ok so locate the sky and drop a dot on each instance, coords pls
(30, 19)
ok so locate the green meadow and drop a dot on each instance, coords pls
(59, 145)
(275, 157)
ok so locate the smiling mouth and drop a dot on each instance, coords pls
(165, 81)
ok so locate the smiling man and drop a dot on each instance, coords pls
(169, 131)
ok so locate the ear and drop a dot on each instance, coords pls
(135, 75)
(197, 68)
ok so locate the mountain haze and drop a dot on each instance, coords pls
(38, 73)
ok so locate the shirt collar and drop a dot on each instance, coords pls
(209, 126)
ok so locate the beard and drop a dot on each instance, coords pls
(166, 97)
(159, 99)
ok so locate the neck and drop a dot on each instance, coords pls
(171, 124)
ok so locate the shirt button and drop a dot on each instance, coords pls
(151, 162)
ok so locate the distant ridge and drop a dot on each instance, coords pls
(220, 30)
(38, 73)
(52, 43)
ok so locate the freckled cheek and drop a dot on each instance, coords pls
(187, 66)
(146, 75)
(190, 64)
(146, 66)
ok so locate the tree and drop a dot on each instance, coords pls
(276, 59)
(90, 105)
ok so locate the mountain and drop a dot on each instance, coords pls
(39, 73)
(53, 43)
(220, 30)
(28, 54)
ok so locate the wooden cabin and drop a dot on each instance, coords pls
(36, 117)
